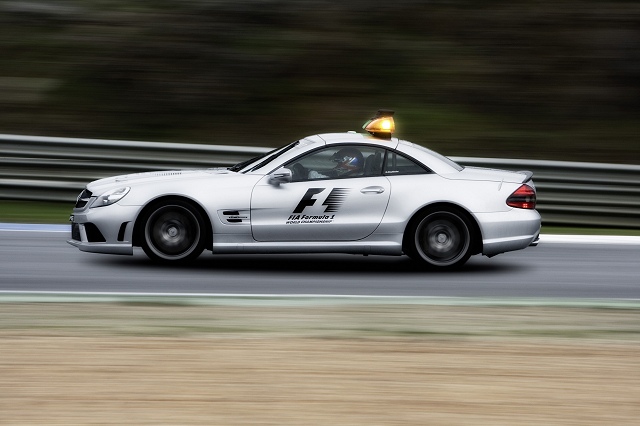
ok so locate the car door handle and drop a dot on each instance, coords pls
(372, 190)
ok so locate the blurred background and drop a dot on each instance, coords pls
(518, 79)
(554, 80)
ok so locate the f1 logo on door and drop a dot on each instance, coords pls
(333, 201)
(318, 211)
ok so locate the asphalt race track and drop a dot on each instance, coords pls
(43, 261)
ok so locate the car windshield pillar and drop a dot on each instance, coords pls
(267, 158)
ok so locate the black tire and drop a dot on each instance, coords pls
(173, 232)
(440, 239)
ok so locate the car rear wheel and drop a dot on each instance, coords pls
(440, 239)
(173, 232)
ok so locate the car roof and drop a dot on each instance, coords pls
(358, 138)
(432, 160)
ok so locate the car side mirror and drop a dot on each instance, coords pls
(280, 176)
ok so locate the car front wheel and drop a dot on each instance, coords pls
(173, 232)
(440, 239)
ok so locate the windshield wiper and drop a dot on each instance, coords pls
(242, 164)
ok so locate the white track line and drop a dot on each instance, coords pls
(239, 299)
(34, 227)
(589, 239)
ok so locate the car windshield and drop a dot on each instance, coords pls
(259, 161)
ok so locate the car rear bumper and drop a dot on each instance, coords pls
(535, 242)
(508, 231)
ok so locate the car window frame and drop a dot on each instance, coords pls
(426, 169)
(336, 145)
(386, 150)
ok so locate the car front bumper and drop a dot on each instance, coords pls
(119, 248)
(104, 230)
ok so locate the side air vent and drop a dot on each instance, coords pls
(123, 229)
(93, 233)
(234, 217)
(75, 232)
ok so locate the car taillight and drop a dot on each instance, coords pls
(523, 198)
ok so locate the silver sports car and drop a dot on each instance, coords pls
(360, 193)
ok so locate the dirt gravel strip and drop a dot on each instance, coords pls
(292, 361)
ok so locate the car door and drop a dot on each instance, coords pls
(338, 193)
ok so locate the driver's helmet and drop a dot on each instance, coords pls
(348, 160)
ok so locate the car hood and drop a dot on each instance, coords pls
(149, 177)
(493, 175)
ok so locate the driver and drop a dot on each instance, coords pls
(349, 162)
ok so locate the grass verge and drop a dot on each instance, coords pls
(34, 212)
(340, 320)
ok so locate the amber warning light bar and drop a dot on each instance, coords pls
(381, 125)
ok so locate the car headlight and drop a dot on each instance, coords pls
(111, 197)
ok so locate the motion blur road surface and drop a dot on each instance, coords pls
(43, 261)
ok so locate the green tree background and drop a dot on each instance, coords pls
(525, 79)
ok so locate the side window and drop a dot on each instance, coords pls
(337, 162)
(397, 164)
